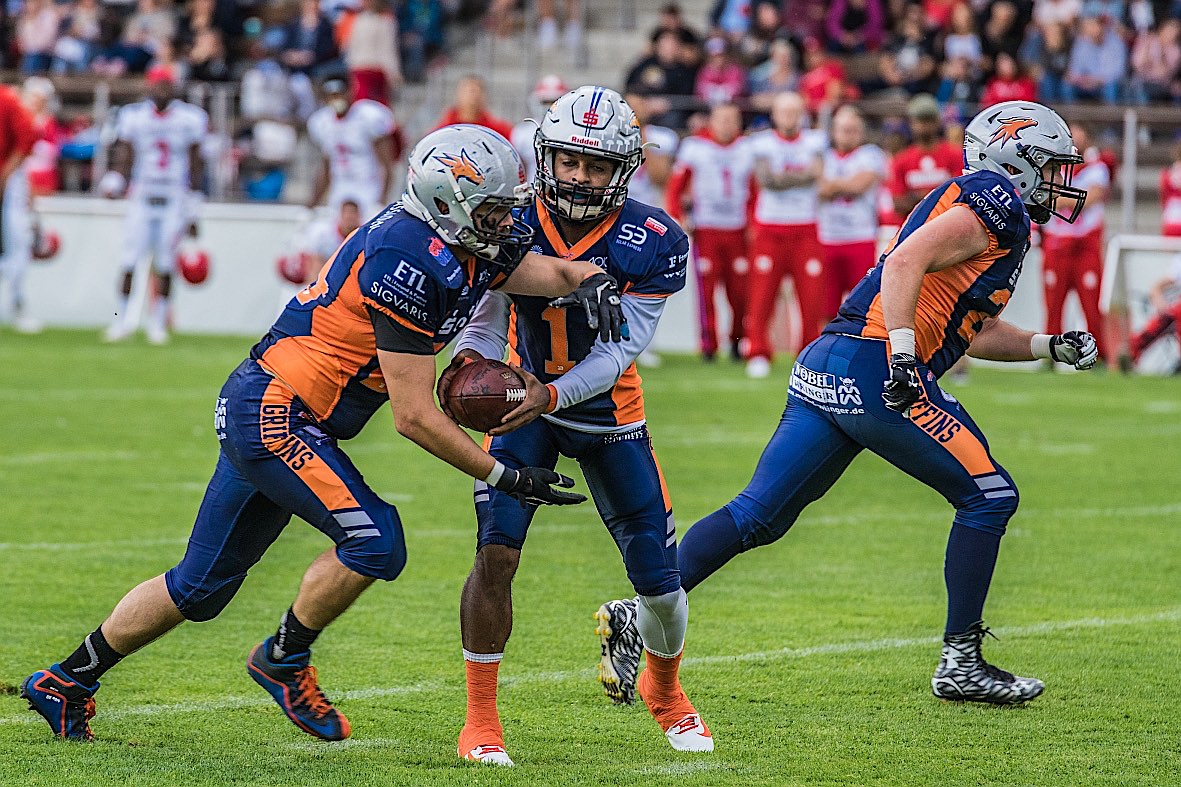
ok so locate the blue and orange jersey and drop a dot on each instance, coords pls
(954, 302)
(393, 284)
(646, 252)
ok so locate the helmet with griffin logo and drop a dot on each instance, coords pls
(463, 181)
(594, 121)
(1030, 144)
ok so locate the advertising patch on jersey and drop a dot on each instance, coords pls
(404, 291)
(823, 390)
(994, 204)
(655, 226)
(436, 247)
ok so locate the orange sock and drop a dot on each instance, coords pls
(661, 690)
(483, 721)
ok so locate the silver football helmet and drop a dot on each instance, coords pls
(1026, 142)
(594, 121)
(463, 181)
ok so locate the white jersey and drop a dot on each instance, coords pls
(720, 181)
(161, 142)
(347, 143)
(322, 238)
(794, 205)
(1090, 219)
(851, 219)
(660, 141)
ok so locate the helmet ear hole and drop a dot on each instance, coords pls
(442, 207)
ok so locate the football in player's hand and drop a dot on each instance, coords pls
(483, 392)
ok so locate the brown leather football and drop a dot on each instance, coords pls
(482, 392)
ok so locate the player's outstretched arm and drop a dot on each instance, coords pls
(573, 283)
(410, 380)
(1002, 341)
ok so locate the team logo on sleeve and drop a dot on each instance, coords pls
(1010, 129)
(655, 226)
(462, 167)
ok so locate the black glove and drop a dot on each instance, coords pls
(599, 295)
(1076, 348)
(535, 486)
(903, 388)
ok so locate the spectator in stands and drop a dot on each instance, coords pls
(420, 24)
(766, 26)
(664, 73)
(962, 42)
(547, 24)
(720, 80)
(823, 85)
(908, 63)
(369, 42)
(1009, 83)
(855, 26)
(958, 86)
(471, 106)
(731, 18)
(79, 40)
(806, 19)
(939, 13)
(672, 19)
(207, 59)
(1056, 12)
(1048, 51)
(777, 75)
(1156, 64)
(36, 35)
(1098, 61)
(151, 25)
(306, 45)
(1002, 32)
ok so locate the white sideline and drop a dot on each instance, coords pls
(863, 646)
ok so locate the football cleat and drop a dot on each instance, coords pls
(491, 752)
(119, 330)
(964, 676)
(758, 368)
(621, 646)
(65, 703)
(678, 718)
(291, 681)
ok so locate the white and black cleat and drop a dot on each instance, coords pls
(621, 647)
(964, 676)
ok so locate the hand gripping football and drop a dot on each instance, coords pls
(483, 392)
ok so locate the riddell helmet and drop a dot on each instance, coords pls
(455, 170)
(1018, 139)
(594, 121)
(193, 264)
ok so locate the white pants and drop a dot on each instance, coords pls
(17, 226)
(155, 229)
(367, 195)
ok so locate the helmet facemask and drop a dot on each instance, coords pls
(1043, 200)
(579, 201)
(488, 237)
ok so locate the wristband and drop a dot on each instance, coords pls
(498, 471)
(1039, 345)
(902, 342)
(553, 398)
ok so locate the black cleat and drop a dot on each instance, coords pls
(964, 676)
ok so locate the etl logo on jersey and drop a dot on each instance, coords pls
(410, 276)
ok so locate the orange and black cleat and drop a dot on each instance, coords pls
(65, 703)
(291, 681)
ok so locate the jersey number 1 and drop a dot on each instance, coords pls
(559, 349)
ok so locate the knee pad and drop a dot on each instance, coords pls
(200, 602)
(380, 552)
(662, 621)
(990, 514)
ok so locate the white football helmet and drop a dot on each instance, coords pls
(456, 170)
(1024, 141)
(594, 121)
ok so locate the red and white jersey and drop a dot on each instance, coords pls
(717, 178)
(1091, 175)
(1170, 197)
(794, 205)
(852, 219)
(161, 142)
(347, 143)
(658, 141)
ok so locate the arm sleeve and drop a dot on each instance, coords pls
(487, 333)
(396, 337)
(607, 361)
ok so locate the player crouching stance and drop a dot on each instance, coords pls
(588, 146)
(366, 332)
(936, 293)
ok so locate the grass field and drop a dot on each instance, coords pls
(810, 659)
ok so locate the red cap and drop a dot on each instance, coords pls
(160, 74)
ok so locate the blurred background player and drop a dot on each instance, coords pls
(359, 142)
(1072, 252)
(592, 410)
(787, 164)
(471, 106)
(848, 213)
(317, 242)
(1165, 299)
(156, 160)
(928, 161)
(547, 90)
(712, 177)
(17, 137)
(1170, 196)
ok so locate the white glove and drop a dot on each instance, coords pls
(1076, 348)
(112, 184)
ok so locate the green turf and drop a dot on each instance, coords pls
(104, 456)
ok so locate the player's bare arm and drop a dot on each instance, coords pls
(383, 147)
(114, 182)
(195, 195)
(853, 186)
(1002, 341)
(781, 181)
(323, 179)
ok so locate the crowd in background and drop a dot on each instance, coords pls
(967, 53)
